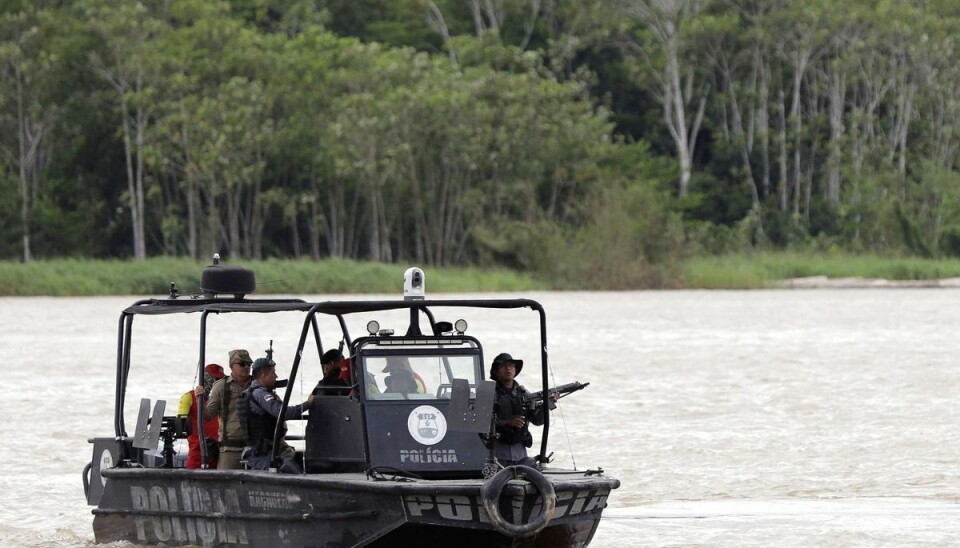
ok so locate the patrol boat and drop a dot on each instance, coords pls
(380, 467)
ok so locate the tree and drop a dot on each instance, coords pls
(29, 63)
(127, 31)
(665, 51)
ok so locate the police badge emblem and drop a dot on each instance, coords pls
(427, 425)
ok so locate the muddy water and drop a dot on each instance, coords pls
(805, 417)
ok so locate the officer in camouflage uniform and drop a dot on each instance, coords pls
(223, 403)
(263, 410)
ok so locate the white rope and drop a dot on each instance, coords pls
(562, 421)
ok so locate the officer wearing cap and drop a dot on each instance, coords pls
(263, 411)
(223, 401)
(513, 412)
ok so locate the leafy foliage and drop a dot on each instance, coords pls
(590, 142)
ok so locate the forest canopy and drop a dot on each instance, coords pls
(567, 138)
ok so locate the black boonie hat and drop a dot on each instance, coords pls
(503, 358)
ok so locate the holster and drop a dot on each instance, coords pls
(213, 449)
(262, 448)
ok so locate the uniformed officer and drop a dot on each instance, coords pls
(263, 410)
(223, 402)
(514, 414)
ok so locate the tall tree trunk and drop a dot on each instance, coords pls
(25, 189)
(436, 21)
(313, 215)
(837, 94)
(782, 141)
(132, 186)
(193, 212)
(904, 127)
(335, 212)
(141, 124)
(675, 116)
(741, 142)
(313, 230)
(763, 126)
(233, 222)
(664, 22)
(478, 23)
(374, 239)
(796, 115)
(190, 182)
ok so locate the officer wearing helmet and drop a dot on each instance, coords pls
(263, 408)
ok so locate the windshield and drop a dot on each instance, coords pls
(418, 376)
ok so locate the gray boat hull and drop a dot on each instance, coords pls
(250, 508)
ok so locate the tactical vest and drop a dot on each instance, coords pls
(508, 405)
(259, 428)
(225, 424)
(224, 409)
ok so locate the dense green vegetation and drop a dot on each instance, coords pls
(152, 277)
(584, 143)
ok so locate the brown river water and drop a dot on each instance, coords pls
(822, 417)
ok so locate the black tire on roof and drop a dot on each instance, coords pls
(227, 279)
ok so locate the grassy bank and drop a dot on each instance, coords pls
(764, 270)
(71, 277)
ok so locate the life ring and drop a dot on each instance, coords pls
(492, 489)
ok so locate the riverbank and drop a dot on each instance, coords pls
(152, 277)
(811, 270)
(854, 282)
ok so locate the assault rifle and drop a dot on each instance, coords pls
(282, 383)
(535, 399)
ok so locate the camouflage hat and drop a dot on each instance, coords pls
(208, 381)
(240, 356)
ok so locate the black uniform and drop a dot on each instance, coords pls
(332, 385)
(512, 442)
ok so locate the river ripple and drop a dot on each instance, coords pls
(811, 418)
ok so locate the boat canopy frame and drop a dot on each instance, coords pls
(337, 309)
